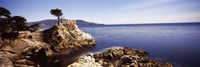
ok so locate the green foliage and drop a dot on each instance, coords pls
(4, 12)
(19, 23)
(9, 24)
(5, 20)
(57, 12)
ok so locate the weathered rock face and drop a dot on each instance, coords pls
(68, 36)
(85, 61)
(26, 41)
(9, 59)
(31, 48)
(125, 57)
(5, 59)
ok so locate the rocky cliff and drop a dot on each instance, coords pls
(32, 48)
(67, 36)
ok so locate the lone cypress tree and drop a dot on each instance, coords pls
(57, 12)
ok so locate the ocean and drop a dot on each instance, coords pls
(178, 44)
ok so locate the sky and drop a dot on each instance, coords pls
(108, 11)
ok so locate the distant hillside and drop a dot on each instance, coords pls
(51, 22)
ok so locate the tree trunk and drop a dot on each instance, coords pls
(58, 20)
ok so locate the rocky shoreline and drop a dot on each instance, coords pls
(61, 45)
(118, 57)
(38, 49)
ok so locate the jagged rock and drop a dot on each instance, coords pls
(25, 42)
(34, 48)
(85, 61)
(119, 57)
(9, 59)
(126, 57)
(68, 36)
(5, 62)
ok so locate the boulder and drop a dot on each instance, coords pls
(85, 61)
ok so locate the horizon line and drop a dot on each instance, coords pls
(123, 23)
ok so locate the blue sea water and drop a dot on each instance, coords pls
(176, 44)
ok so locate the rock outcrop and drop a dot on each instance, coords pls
(67, 36)
(123, 57)
(33, 48)
(85, 61)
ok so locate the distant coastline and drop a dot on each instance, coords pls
(52, 22)
(185, 23)
(82, 23)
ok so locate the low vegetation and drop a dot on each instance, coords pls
(13, 24)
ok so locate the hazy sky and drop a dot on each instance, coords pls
(109, 11)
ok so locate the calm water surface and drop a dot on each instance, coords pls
(177, 44)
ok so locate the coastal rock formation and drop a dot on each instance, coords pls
(85, 61)
(5, 59)
(67, 36)
(125, 57)
(32, 48)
